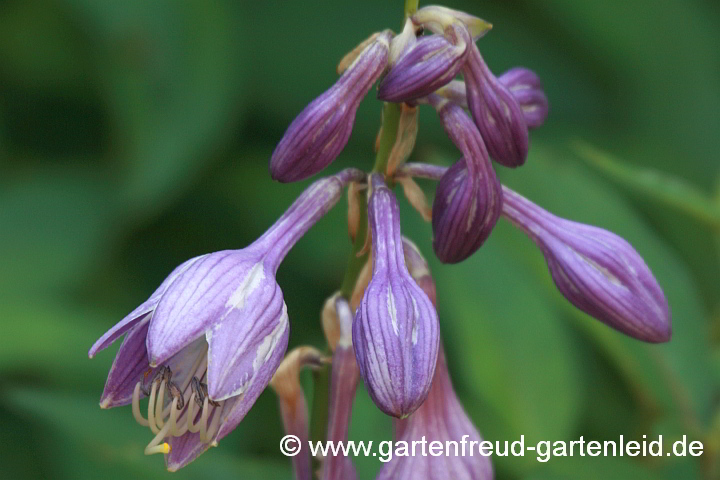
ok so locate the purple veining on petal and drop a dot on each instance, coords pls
(597, 271)
(496, 112)
(440, 419)
(395, 332)
(427, 64)
(468, 198)
(321, 131)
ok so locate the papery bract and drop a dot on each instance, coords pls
(596, 270)
(321, 131)
(395, 332)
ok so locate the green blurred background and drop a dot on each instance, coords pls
(135, 135)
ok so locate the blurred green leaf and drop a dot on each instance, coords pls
(174, 78)
(667, 190)
(498, 327)
(56, 225)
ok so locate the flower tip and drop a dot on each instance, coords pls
(105, 403)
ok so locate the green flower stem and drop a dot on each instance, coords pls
(355, 261)
(388, 134)
(390, 123)
(411, 7)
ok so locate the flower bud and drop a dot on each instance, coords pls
(468, 198)
(395, 332)
(596, 270)
(526, 87)
(321, 131)
(496, 112)
(426, 65)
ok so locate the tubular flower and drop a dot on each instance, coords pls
(468, 199)
(206, 343)
(212, 337)
(395, 332)
(596, 270)
(496, 112)
(321, 131)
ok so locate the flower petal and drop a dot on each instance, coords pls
(245, 340)
(129, 366)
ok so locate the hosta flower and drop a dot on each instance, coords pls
(596, 270)
(496, 112)
(468, 199)
(206, 343)
(321, 131)
(395, 332)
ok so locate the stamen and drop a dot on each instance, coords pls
(151, 409)
(204, 420)
(136, 406)
(154, 446)
(191, 414)
(213, 427)
(159, 413)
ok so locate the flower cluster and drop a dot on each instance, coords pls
(213, 336)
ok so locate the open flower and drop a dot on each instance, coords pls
(395, 332)
(207, 342)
